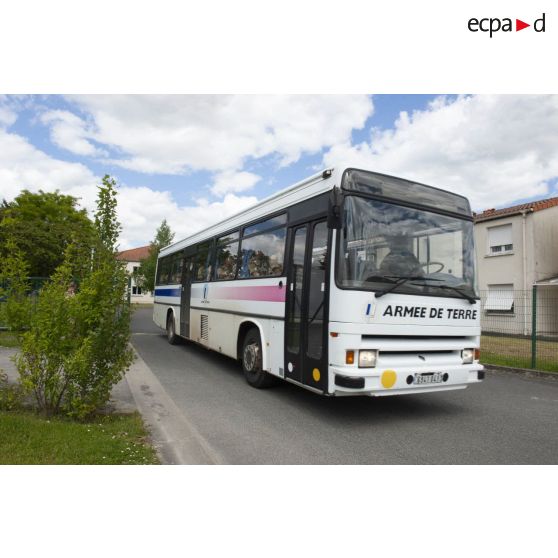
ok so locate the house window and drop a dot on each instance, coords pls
(500, 240)
(136, 290)
(499, 299)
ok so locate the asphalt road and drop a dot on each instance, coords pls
(507, 419)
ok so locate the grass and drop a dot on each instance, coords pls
(29, 439)
(516, 352)
(8, 339)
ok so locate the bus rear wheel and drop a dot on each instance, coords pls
(252, 361)
(172, 338)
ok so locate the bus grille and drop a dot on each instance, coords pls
(204, 328)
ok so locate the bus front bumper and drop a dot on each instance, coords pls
(402, 379)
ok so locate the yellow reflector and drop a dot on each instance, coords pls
(388, 378)
(316, 375)
(350, 357)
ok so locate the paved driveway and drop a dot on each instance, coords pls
(506, 419)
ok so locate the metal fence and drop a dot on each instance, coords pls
(520, 328)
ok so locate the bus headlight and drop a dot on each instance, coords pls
(468, 355)
(367, 359)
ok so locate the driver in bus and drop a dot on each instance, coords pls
(400, 262)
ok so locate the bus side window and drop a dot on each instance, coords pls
(203, 262)
(226, 257)
(262, 254)
(175, 275)
(163, 272)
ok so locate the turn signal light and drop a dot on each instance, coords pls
(350, 357)
(477, 354)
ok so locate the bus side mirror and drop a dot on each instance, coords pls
(335, 209)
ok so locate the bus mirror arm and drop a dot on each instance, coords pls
(335, 214)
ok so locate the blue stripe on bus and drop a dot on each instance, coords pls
(167, 292)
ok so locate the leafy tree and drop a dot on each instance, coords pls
(78, 345)
(145, 275)
(42, 225)
(107, 225)
(16, 300)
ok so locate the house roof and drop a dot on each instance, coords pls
(134, 254)
(530, 207)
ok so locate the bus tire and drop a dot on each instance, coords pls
(172, 338)
(252, 361)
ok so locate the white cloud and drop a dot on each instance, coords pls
(7, 117)
(230, 181)
(493, 149)
(173, 134)
(140, 210)
(7, 114)
(70, 132)
(143, 209)
(24, 166)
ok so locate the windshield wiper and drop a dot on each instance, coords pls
(471, 299)
(379, 278)
(400, 280)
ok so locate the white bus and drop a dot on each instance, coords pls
(347, 283)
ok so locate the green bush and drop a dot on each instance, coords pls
(11, 396)
(77, 347)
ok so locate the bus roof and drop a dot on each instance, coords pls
(300, 191)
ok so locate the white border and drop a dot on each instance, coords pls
(278, 511)
(250, 46)
(63, 46)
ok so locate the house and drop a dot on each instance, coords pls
(517, 249)
(133, 258)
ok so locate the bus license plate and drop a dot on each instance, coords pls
(429, 378)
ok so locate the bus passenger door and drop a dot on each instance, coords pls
(185, 296)
(306, 306)
(294, 305)
(315, 356)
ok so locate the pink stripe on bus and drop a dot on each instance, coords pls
(266, 293)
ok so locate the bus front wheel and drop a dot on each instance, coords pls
(252, 361)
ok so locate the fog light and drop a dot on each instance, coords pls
(468, 355)
(350, 357)
(367, 359)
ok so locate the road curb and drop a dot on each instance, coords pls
(176, 440)
(525, 372)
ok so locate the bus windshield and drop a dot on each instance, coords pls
(382, 243)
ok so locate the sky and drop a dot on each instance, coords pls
(196, 159)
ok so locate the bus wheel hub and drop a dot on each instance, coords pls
(250, 357)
